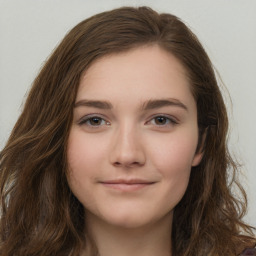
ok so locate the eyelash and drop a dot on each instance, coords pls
(171, 121)
(87, 119)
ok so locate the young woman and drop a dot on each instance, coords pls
(121, 148)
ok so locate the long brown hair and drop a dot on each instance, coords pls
(39, 213)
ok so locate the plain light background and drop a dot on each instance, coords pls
(31, 29)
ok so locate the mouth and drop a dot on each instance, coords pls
(127, 185)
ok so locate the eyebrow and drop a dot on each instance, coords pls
(148, 105)
(153, 104)
(94, 103)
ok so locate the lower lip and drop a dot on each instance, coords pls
(127, 187)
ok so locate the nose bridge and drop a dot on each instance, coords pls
(127, 148)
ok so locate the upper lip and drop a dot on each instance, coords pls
(127, 181)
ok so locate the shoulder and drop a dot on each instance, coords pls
(251, 252)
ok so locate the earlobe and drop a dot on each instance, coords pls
(197, 159)
(200, 149)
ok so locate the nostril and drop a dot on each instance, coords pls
(127, 155)
(117, 164)
(127, 165)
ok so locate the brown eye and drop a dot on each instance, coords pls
(93, 121)
(161, 120)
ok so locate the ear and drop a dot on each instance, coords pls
(197, 158)
(200, 149)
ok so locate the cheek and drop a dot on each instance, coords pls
(173, 160)
(84, 158)
(83, 153)
(174, 152)
(84, 161)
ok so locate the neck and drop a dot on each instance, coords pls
(150, 240)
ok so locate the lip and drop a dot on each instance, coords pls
(127, 185)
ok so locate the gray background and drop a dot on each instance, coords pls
(31, 29)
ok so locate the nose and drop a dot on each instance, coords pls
(127, 149)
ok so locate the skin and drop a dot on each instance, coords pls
(109, 147)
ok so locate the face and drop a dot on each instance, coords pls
(134, 137)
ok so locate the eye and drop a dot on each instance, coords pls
(162, 120)
(93, 121)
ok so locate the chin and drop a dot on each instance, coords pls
(133, 219)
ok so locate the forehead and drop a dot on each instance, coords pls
(143, 72)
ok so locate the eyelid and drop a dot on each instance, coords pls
(172, 119)
(89, 116)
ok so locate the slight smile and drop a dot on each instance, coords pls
(127, 185)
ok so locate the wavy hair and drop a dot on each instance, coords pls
(39, 213)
